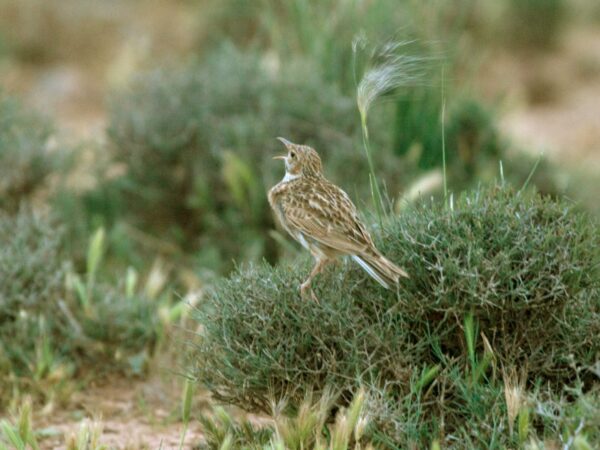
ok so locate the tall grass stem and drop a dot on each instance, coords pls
(444, 139)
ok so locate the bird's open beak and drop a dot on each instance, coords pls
(284, 141)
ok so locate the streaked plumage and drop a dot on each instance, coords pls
(321, 216)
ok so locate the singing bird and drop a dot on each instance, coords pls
(323, 219)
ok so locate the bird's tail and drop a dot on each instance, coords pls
(380, 268)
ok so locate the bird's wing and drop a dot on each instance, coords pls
(325, 213)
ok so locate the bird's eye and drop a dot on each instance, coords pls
(292, 155)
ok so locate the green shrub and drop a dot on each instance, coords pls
(51, 323)
(462, 414)
(33, 275)
(26, 157)
(197, 145)
(305, 29)
(523, 267)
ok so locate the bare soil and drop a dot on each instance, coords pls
(132, 414)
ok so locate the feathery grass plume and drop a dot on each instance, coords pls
(87, 437)
(389, 67)
(21, 435)
(186, 408)
(346, 423)
(514, 385)
(221, 430)
(302, 430)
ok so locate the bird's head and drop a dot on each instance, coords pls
(301, 160)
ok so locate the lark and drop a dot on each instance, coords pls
(323, 219)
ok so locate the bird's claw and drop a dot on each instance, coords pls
(305, 289)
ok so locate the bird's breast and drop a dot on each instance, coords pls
(276, 200)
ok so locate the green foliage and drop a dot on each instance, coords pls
(32, 274)
(519, 270)
(52, 323)
(304, 29)
(469, 134)
(197, 145)
(466, 415)
(26, 155)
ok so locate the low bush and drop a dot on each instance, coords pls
(54, 323)
(503, 274)
(27, 158)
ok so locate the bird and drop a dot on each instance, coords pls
(322, 218)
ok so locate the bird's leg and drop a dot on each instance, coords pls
(320, 263)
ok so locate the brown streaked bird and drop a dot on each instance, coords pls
(323, 219)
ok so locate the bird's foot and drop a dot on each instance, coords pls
(305, 291)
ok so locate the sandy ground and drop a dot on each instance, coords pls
(131, 414)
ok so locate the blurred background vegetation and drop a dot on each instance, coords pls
(136, 140)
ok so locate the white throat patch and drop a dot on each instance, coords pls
(289, 177)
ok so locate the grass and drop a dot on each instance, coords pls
(371, 421)
(20, 433)
(56, 324)
(309, 427)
